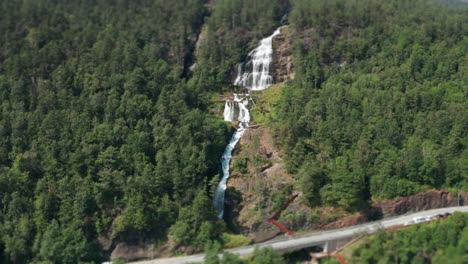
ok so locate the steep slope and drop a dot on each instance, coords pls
(350, 127)
(442, 241)
(377, 108)
(101, 140)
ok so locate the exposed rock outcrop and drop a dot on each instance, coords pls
(257, 173)
(419, 202)
(128, 252)
(432, 199)
(282, 56)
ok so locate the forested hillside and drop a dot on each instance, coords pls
(438, 242)
(106, 136)
(378, 108)
(99, 136)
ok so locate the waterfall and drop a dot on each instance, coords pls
(244, 113)
(229, 111)
(258, 78)
(255, 74)
(225, 160)
(244, 119)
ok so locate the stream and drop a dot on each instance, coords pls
(253, 75)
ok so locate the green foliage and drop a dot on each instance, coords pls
(233, 241)
(16, 239)
(212, 249)
(211, 255)
(311, 179)
(197, 224)
(266, 255)
(99, 133)
(346, 187)
(438, 242)
(240, 164)
(330, 260)
(66, 244)
(230, 258)
(376, 108)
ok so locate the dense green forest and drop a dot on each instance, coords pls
(105, 136)
(100, 137)
(378, 108)
(438, 242)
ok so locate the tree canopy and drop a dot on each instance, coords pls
(378, 108)
(105, 135)
(99, 134)
(439, 242)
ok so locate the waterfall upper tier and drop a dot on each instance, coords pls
(255, 74)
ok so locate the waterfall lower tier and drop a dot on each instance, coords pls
(229, 111)
(241, 101)
(256, 79)
(225, 160)
(244, 113)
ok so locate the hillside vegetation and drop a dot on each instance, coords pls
(438, 242)
(378, 108)
(102, 138)
(107, 137)
(99, 136)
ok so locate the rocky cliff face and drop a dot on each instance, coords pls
(282, 56)
(257, 186)
(419, 202)
(428, 200)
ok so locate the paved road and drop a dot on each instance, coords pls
(313, 239)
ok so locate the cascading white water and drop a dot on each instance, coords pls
(255, 74)
(257, 79)
(225, 160)
(244, 119)
(229, 111)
